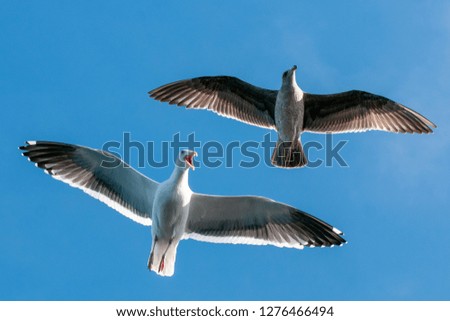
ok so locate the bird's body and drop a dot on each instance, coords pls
(173, 210)
(169, 214)
(291, 111)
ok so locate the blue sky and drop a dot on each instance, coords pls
(79, 72)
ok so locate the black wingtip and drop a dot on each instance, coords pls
(152, 93)
(26, 144)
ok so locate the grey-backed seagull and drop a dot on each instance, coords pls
(173, 210)
(292, 111)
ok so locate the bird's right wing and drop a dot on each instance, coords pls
(99, 174)
(256, 220)
(226, 96)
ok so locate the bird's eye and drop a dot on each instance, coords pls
(284, 74)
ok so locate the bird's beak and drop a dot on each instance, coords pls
(189, 160)
(294, 68)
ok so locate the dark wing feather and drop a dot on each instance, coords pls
(99, 174)
(354, 111)
(226, 96)
(256, 220)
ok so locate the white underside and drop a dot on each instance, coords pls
(108, 201)
(240, 240)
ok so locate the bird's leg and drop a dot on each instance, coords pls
(290, 152)
(286, 152)
(161, 264)
(150, 260)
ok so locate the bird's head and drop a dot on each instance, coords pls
(186, 159)
(289, 75)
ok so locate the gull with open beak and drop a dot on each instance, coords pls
(173, 210)
(291, 111)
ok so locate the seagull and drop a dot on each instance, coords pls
(291, 111)
(173, 210)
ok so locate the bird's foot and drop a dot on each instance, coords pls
(161, 265)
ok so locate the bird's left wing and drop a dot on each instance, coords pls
(99, 174)
(226, 96)
(355, 111)
(256, 220)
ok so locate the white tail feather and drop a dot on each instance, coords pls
(162, 258)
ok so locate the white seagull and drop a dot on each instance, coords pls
(176, 212)
(291, 111)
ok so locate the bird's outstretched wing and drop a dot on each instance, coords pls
(355, 111)
(99, 174)
(226, 96)
(256, 220)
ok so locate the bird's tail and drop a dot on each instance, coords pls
(162, 257)
(289, 154)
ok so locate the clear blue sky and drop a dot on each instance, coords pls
(79, 72)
